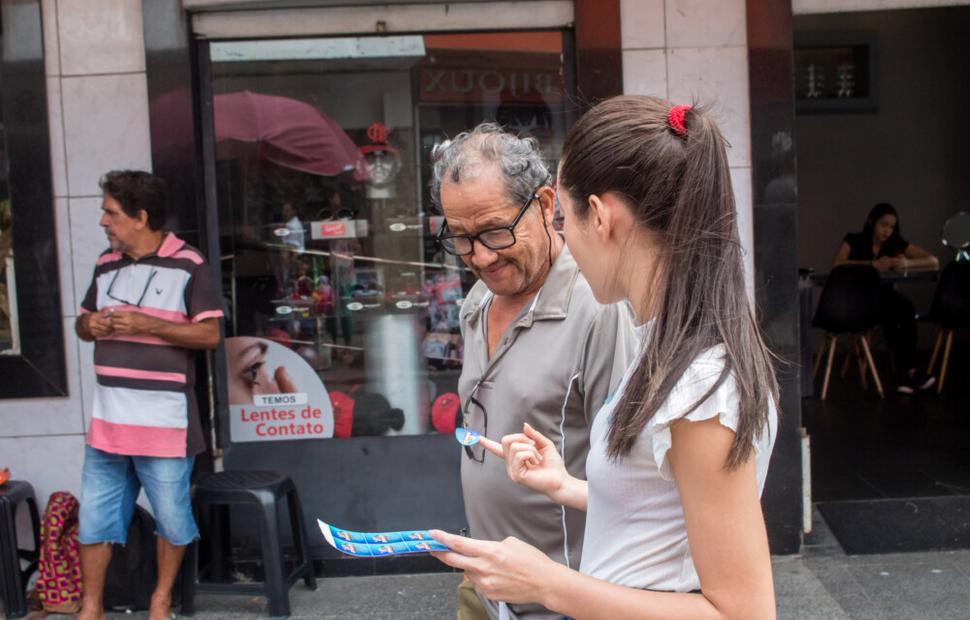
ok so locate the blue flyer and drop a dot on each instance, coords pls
(377, 544)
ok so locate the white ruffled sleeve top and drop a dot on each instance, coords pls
(635, 531)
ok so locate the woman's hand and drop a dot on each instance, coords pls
(282, 381)
(883, 263)
(531, 459)
(510, 571)
(900, 263)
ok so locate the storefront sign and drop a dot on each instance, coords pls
(338, 229)
(509, 85)
(275, 400)
(274, 394)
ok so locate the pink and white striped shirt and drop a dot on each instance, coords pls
(144, 401)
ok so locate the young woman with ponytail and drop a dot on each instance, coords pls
(679, 453)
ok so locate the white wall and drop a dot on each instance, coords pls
(98, 109)
(687, 50)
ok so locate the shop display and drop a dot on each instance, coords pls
(380, 163)
(8, 283)
(445, 412)
(327, 227)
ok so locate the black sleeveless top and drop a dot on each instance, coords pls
(860, 247)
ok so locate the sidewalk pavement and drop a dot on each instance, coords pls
(820, 583)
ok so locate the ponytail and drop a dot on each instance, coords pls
(678, 186)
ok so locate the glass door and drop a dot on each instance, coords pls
(343, 326)
(326, 226)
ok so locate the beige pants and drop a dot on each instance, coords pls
(469, 605)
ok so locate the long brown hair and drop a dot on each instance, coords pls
(679, 189)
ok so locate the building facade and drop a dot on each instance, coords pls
(328, 264)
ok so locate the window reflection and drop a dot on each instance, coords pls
(327, 228)
(9, 341)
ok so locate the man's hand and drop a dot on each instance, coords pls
(98, 324)
(202, 335)
(132, 323)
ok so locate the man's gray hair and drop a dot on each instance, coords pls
(519, 159)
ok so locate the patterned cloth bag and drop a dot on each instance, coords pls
(59, 569)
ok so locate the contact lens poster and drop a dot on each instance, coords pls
(274, 394)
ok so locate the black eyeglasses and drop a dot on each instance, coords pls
(476, 452)
(141, 298)
(493, 238)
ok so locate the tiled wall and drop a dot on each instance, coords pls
(686, 50)
(98, 111)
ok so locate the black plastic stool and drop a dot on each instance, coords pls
(13, 578)
(212, 496)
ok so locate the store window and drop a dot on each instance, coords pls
(32, 362)
(9, 328)
(344, 313)
(9, 332)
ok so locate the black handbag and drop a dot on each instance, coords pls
(133, 571)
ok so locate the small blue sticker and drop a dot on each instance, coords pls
(467, 437)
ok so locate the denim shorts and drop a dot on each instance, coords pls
(109, 487)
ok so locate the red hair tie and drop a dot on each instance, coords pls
(675, 118)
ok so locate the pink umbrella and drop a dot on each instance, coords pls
(289, 132)
(285, 131)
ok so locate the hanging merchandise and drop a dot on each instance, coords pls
(445, 411)
(381, 163)
(343, 414)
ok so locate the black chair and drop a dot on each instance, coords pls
(849, 304)
(951, 311)
(212, 496)
(13, 578)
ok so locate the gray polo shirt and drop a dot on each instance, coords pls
(553, 368)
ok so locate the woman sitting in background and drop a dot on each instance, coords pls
(881, 245)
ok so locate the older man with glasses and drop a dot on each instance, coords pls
(539, 349)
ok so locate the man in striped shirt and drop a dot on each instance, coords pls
(151, 304)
